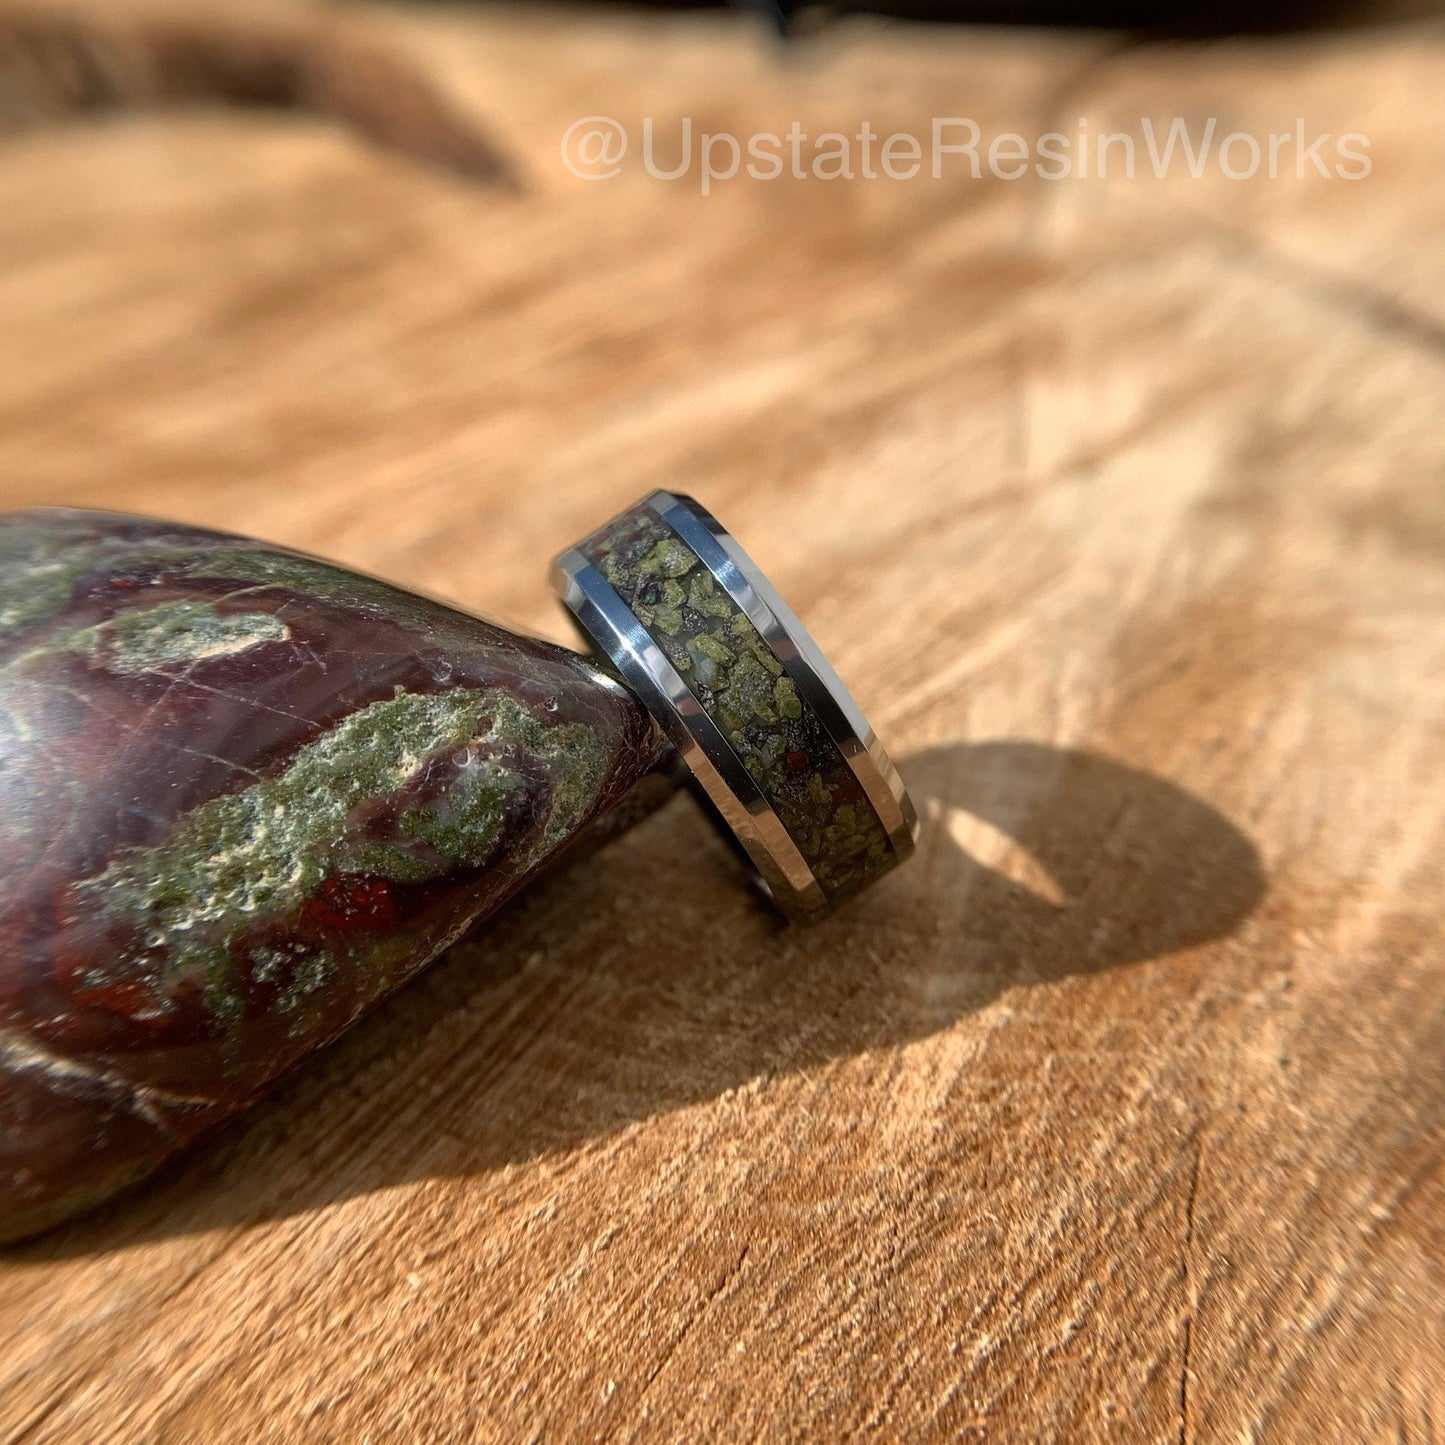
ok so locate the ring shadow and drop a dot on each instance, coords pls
(643, 981)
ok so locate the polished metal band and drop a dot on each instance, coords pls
(772, 736)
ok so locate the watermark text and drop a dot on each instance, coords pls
(598, 147)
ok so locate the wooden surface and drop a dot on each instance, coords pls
(1118, 1113)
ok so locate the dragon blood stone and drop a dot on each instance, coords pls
(243, 795)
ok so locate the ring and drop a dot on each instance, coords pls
(771, 735)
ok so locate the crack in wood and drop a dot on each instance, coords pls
(1186, 1433)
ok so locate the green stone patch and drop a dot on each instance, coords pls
(316, 581)
(185, 631)
(148, 639)
(40, 564)
(261, 853)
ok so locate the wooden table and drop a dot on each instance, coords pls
(1121, 503)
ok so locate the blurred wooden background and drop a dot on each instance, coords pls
(1118, 1113)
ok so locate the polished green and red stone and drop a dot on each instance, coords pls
(243, 795)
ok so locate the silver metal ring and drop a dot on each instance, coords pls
(772, 736)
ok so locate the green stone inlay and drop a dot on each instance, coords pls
(734, 674)
(261, 853)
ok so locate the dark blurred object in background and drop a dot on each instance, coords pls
(57, 61)
(1225, 17)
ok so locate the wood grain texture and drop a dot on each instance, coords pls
(1118, 1113)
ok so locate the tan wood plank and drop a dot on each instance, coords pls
(1118, 1113)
